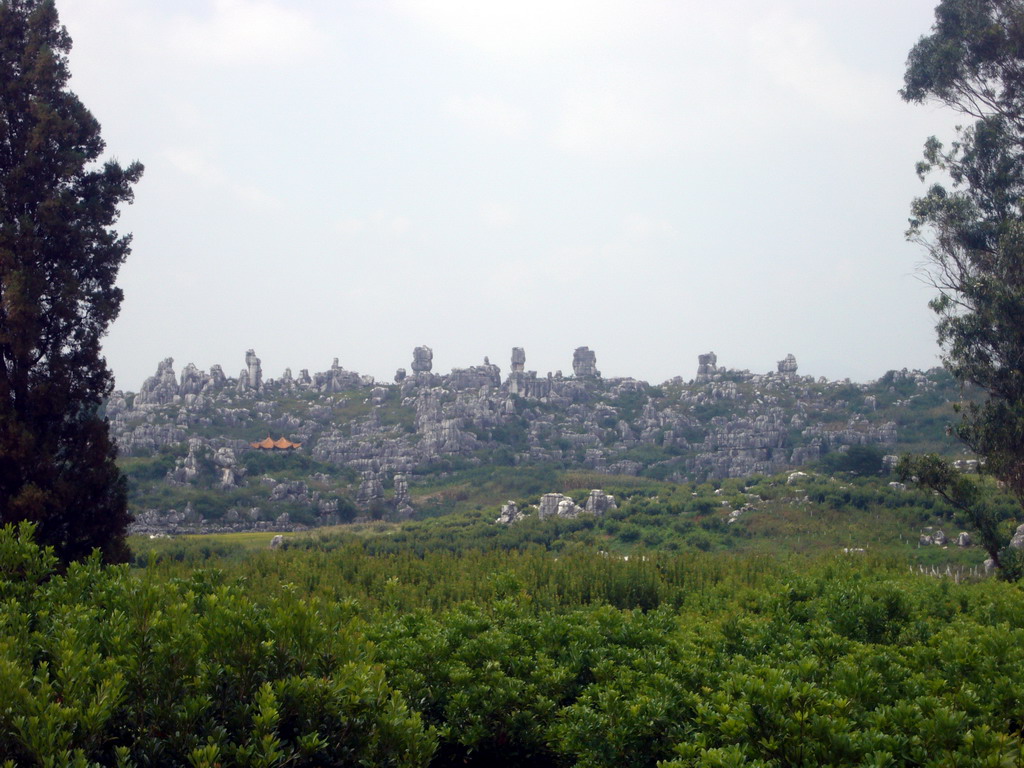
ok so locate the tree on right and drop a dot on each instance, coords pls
(971, 224)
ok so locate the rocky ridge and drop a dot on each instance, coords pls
(368, 438)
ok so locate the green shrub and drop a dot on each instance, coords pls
(100, 666)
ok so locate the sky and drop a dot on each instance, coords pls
(652, 179)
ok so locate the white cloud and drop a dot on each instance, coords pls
(376, 223)
(195, 164)
(350, 226)
(490, 115)
(498, 215)
(399, 225)
(525, 27)
(796, 56)
(244, 32)
(643, 226)
(192, 163)
(616, 121)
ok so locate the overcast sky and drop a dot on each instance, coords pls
(353, 178)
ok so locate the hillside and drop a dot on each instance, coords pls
(368, 449)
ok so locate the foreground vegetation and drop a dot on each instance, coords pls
(340, 655)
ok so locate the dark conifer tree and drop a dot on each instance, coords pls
(59, 258)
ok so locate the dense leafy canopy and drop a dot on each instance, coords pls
(972, 223)
(59, 258)
(323, 658)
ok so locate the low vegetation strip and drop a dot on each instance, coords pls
(315, 657)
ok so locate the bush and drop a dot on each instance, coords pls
(100, 666)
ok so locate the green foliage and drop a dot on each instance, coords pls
(974, 230)
(23, 564)
(285, 465)
(59, 258)
(962, 492)
(863, 460)
(101, 667)
(149, 489)
(630, 405)
(763, 514)
(343, 657)
(150, 468)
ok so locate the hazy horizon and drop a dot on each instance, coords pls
(271, 372)
(651, 179)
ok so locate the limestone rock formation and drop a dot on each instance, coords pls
(230, 472)
(371, 490)
(337, 379)
(707, 366)
(402, 502)
(788, 364)
(600, 502)
(486, 375)
(254, 370)
(160, 389)
(930, 536)
(422, 360)
(557, 505)
(518, 360)
(584, 363)
(187, 469)
(727, 423)
(510, 513)
(295, 490)
(192, 380)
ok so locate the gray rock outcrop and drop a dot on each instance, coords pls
(584, 363)
(707, 366)
(788, 365)
(557, 505)
(253, 370)
(161, 388)
(402, 501)
(422, 360)
(510, 513)
(231, 473)
(600, 502)
(371, 490)
(930, 536)
(724, 423)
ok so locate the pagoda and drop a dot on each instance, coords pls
(281, 444)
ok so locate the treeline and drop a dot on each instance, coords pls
(343, 657)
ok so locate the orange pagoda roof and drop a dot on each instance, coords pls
(281, 444)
